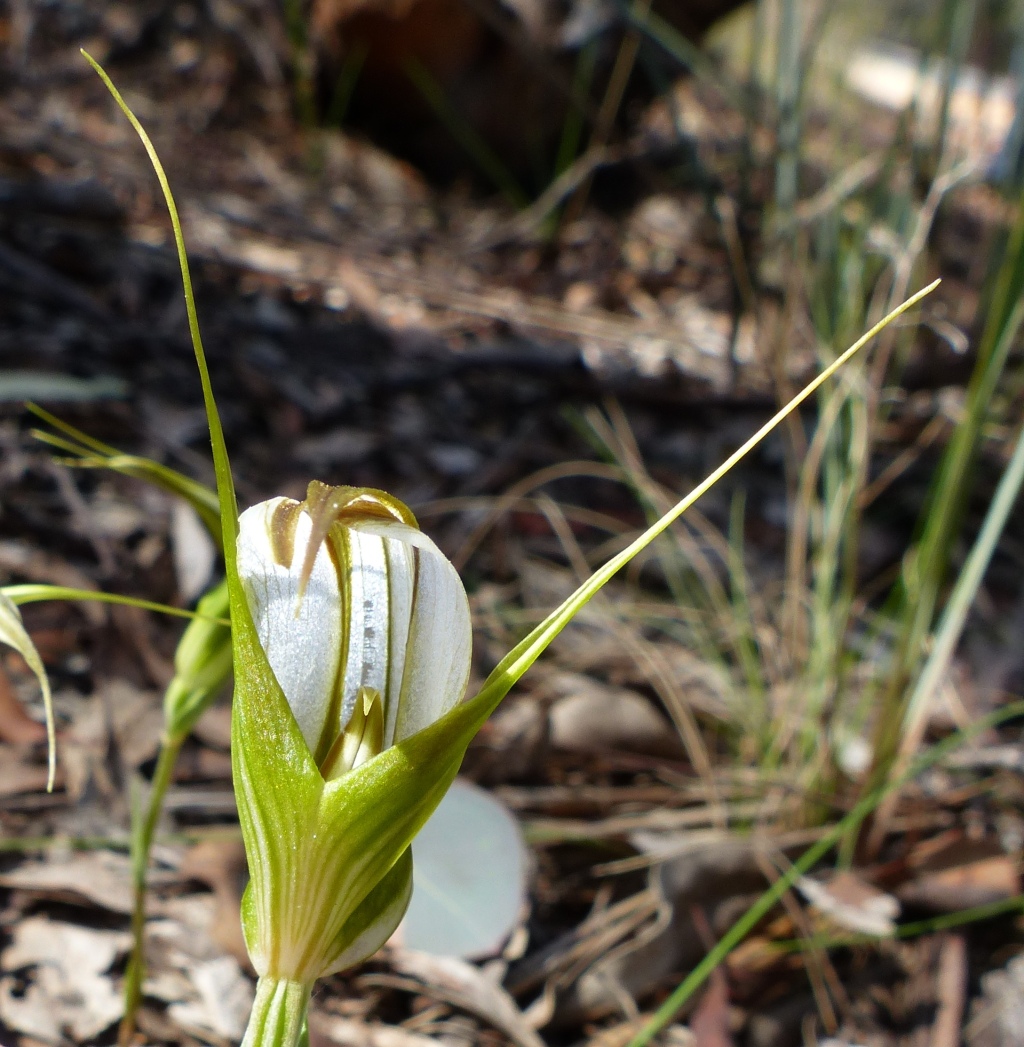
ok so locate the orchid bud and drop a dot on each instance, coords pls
(352, 653)
(202, 665)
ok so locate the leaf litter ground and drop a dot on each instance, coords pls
(365, 328)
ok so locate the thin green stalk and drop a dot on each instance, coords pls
(1010, 158)
(143, 828)
(302, 62)
(917, 929)
(465, 134)
(278, 1016)
(615, 91)
(667, 1012)
(528, 650)
(927, 564)
(959, 15)
(962, 598)
(38, 592)
(834, 581)
(742, 615)
(345, 86)
(221, 462)
(788, 77)
(949, 920)
(750, 94)
(202, 664)
(689, 56)
(575, 117)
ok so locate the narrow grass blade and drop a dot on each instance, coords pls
(525, 653)
(688, 55)
(917, 929)
(962, 598)
(32, 592)
(465, 134)
(77, 435)
(746, 923)
(87, 453)
(221, 464)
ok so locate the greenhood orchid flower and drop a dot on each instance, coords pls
(364, 622)
(352, 655)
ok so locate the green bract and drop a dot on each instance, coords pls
(202, 665)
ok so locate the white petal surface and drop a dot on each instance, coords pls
(402, 591)
(439, 646)
(303, 649)
(365, 586)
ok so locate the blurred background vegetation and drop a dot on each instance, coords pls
(537, 267)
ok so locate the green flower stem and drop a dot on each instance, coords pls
(142, 842)
(278, 1016)
(202, 665)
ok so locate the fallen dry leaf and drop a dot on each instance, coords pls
(591, 716)
(15, 724)
(136, 718)
(68, 989)
(195, 555)
(852, 903)
(20, 771)
(221, 865)
(467, 987)
(346, 1032)
(93, 877)
(83, 756)
(214, 727)
(223, 1002)
(710, 1021)
(208, 992)
(997, 1016)
(963, 886)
